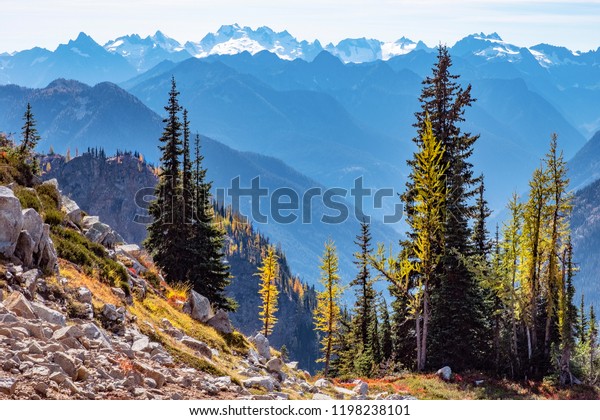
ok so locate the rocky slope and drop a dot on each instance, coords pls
(66, 332)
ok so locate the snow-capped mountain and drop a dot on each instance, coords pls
(364, 50)
(145, 53)
(233, 39)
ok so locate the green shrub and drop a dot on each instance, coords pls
(28, 198)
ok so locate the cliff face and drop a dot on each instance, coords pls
(106, 187)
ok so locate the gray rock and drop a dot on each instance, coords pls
(11, 221)
(275, 365)
(265, 382)
(89, 221)
(323, 383)
(66, 363)
(30, 278)
(120, 293)
(221, 322)
(262, 345)
(7, 386)
(198, 307)
(98, 232)
(16, 302)
(48, 259)
(25, 248)
(320, 396)
(361, 388)
(49, 315)
(34, 225)
(292, 365)
(84, 295)
(150, 372)
(72, 210)
(72, 331)
(141, 344)
(197, 345)
(445, 373)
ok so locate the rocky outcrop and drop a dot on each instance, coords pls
(100, 233)
(24, 236)
(11, 222)
(198, 307)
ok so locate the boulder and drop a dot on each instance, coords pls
(92, 332)
(47, 258)
(34, 225)
(275, 365)
(445, 373)
(221, 322)
(25, 248)
(11, 221)
(72, 210)
(150, 372)
(66, 363)
(323, 383)
(265, 382)
(29, 280)
(141, 344)
(262, 345)
(84, 295)
(49, 315)
(320, 396)
(198, 307)
(71, 331)
(89, 221)
(17, 303)
(361, 388)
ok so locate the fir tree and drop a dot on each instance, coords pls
(29, 141)
(327, 313)
(567, 317)
(167, 230)
(208, 270)
(268, 272)
(365, 295)
(593, 339)
(582, 324)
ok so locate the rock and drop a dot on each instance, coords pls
(41, 388)
(197, 345)
(320, 396)
(113, 318)
(292, 365)
(265, 382)
(16, 302)
(48, 259)
(120, 293)
(98, 232)
(34, 225)
(221, 322)
(11, 221)
(150, 372)
(400, 397)
(30, 278)
(323, 383)
(82, 374)
(7, 386)
(275, 365)
(24, 249)
(150, 383)
(361, 388)
(84, 295)
(262, 345)
(141, 344)
(253, 356)
(49, 315)
(66, 363)
(445, 373)
(198, 307)
(72, 210)
(71, 331)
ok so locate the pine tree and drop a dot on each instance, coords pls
(327, 313)
(362, 317)
(268, 272)
(344, 348)
(167, 230)
(208, 271)
(593, 339)
(29, 141)
(567, 317)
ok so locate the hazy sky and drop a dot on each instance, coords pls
(46, 23)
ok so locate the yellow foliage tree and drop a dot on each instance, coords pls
(327, 313)
(268, 273)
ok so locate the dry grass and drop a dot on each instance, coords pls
(177, 294)
(101, 292)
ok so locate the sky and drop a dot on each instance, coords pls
(574, 24)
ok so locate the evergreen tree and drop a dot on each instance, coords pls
(481, 243)
(167, 230)
(268, 272)
(208, 271)
(582, 324)
(327, 312)
(567, 317)
(29, 141)
(374, 340)
(458, 320)
(593, 340)
(385, 331)
(343, 364)
(365, 295)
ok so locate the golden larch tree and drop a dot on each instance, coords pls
(268, 273)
